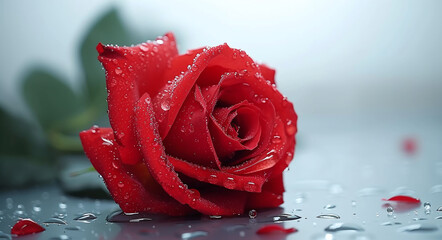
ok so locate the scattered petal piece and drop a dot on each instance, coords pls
(402, 198)
(25, 227)
(275, 228)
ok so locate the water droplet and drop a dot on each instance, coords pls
(419, 219)
(62, 205)
(250, 187)
(120, 184)
(253, 213)
(195, 194)
(190, 235)
(290, 128)
(353, 203)
(155, 49)
(61, 237)
(438, 217)
(329, 206)
(276, 139)
(328, 216)
(285, 217)
(144, 219)
(118, 71)
(420, 227)
(165, 105)
(215, 217)
(73, 228)
(55, 221)
(390, 211)
(337, 227)
(212, 179)
(86, 217)
(229, 183)
(439, 209)
(427, 206)
(144, 48)
(390, 223)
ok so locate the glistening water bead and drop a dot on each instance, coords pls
(390, 211)
(253, 213)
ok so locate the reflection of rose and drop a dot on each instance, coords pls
(204, 131)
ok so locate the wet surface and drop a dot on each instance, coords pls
(335, 190)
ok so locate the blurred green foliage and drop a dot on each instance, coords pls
(60, 112)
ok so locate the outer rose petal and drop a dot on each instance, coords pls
(268, 73)
(271, 195)
(216, 201)
(100, 147)
(130, 72)
(249, 183)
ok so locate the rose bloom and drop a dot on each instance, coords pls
(206, 131)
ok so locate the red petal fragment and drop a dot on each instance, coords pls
(251, 183)
(275, 228)
(132, 196)
(25, 227)
(130, 72)
(402, 198)
(163, 171)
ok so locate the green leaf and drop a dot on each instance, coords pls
(108, 30)
(21, 138)
(50, 99)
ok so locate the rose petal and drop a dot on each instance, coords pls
(270, 196)
(26, 226)
(132, 196)
(214, 201)
(130, 72)
(249, 183)
(268, 73)
(189, 137)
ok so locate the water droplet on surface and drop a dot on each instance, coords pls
(276, 139)
(144, 48)
(212, 179)
(253, 213)
(328, 216)
(55, 221)
(427, 206)
(73, 228)
(190, 235)
(215, 217)
(285, 217)
(165, 105)
(439, 209)
(62, 205)
(250, 187)
(135, 220)
(420, 227)
(118, 71)
(329, 206)
(390, 223)
(230, 183)
(61, 237)
(290, 128)
(438, 217)
(337, 227)
(86, 217)
(390, 211)
(120, 184)
(419, 219)
(353, 203)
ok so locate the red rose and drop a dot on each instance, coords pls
(205, 131)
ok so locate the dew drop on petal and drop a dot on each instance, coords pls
(229, 183)
(212, 179)
(290, 128)
(165, 105)
(118, 71)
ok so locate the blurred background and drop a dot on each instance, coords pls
(342, 64)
